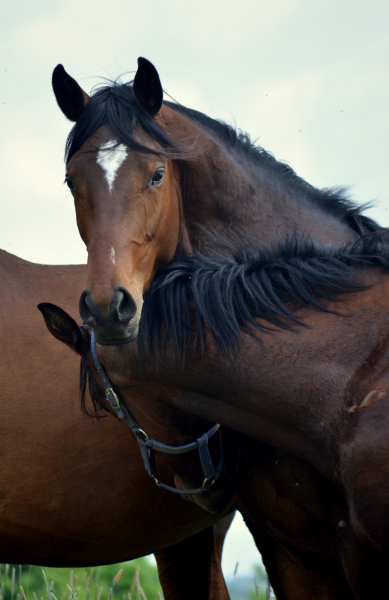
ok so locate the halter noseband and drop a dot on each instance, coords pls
(148, 445)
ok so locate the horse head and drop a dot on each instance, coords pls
(150, 179)
(126, 195)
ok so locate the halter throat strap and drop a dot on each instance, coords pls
(148, 445)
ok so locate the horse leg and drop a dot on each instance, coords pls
(290, 509)
(297, 575)
(364, 470)
(191, 569)
(366, 577)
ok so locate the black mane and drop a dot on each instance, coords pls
(226, 291)
(115, 104)
(334, 200)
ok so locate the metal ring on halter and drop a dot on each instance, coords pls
(141, 432)
(147, 444)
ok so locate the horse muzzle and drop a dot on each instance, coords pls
(116, 326)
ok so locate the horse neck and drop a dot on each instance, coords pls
(224, 191)
(153, 404)
(296, 389)
(153, 401)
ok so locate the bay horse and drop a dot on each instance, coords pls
(296, 529)
(150, 178)
(316, 391)
(74, 492)
(206, 176)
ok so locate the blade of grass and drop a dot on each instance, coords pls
(13, 583)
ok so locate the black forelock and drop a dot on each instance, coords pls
(115, 104)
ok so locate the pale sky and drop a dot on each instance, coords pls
(309, 80)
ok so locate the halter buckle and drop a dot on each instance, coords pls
(208, 481)
(112, 398)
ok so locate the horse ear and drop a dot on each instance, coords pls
(71, 98)
(64, 328)
(147, 87)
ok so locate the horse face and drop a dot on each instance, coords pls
(127, 207)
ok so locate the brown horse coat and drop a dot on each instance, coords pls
(73, 489)
(319, 393)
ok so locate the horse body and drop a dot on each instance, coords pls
(298, 389)
(312, 539)
(73, 490)
(320, 392)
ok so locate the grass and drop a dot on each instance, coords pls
(249, 587)
(111, 582)
(133, 580)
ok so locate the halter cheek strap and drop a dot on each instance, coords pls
(148, 445)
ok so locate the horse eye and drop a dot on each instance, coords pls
(157, 177)
(70, 183)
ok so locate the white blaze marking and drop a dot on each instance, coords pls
(110, 159)
(112, 255)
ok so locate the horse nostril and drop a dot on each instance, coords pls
(121, 309)
(123, 306)
(85, 309)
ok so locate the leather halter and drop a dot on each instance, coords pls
(148, 445)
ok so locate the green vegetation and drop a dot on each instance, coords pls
(133, 580)
(122, 581)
